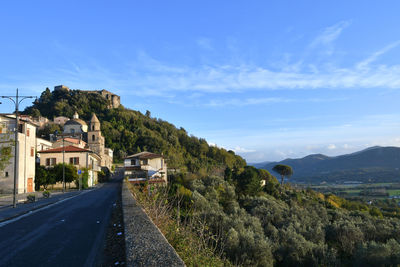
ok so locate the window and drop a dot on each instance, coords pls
(72, 131)
(133, 162)
(143, 162)
(27, 132)
(6, 174)
(51, 161)
(74, 161)
(20, 127)
(93, 137)
(32, 151)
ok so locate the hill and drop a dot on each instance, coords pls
(374, 164)
(128, 131)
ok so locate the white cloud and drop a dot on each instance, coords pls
(331, 146)
(365, 63)
(239, 149)
(330, 34)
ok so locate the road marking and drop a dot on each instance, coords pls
(40, 209)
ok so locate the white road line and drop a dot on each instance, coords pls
(40, 209)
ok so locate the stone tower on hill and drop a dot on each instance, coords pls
(114, 100)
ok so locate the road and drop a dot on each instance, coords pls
(69, 233)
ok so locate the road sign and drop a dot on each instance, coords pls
(79, 172)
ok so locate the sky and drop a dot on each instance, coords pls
(267, 79)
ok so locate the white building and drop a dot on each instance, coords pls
(79, 157)
(146, 167)
(25, 155)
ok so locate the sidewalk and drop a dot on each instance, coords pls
(6, 200)
(8, 212)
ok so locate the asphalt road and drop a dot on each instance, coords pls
(68, 233)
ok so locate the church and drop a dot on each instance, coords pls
(77, 128)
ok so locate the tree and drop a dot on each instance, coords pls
(71, 173)
(6, 147)
(249, 181)
(265, 175)
(283, 170)
(44, 177)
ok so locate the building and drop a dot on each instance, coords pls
(76, 127)
(43, 144)
(91, 135)
(26, 155)
(146, 167)
(68, 141)
(114, 100)
(60, 120)
(79, 157)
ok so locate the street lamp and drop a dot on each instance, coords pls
(16, 101)
(63, 151)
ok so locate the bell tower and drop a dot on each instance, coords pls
(95, 139)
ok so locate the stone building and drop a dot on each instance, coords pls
(114, 100)
(91, 134)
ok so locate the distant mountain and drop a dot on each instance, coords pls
(259, 165)
(374, 164)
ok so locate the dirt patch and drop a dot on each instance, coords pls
(114, 251)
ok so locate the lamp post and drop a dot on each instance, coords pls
(63, 153)
(16, 101)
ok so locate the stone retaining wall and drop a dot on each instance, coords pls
(145, 244)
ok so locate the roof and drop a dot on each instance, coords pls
(94, 119)
(71, 140)
(76, 121)
(66, 149)
(145, 155)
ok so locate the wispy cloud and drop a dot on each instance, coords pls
(147, 76)
(330, 34)
(205, 43)
(265, 101)
(365, 63)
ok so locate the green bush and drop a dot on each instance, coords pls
(46, 194)
(31, 198)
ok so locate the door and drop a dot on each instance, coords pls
(30, 185)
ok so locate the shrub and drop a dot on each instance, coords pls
(31, 198)
(46, 194)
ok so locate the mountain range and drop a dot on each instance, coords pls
(374, 164)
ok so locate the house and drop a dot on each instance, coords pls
(60, 120)
(69, 141)
(146, 167)
(26, 146)
(43, 144)
(79, 157)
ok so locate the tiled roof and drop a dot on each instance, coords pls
(72, 140)
(66, 149)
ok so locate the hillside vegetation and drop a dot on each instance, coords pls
(216, 211)
(128, 131)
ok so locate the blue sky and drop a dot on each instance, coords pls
(268, 79)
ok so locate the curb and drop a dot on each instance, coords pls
(144, 243)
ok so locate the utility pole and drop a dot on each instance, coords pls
(16, 99)
(63, 153)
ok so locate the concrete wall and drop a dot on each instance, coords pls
(26, 155)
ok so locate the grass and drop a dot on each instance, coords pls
(192, 249)
(394, 192)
